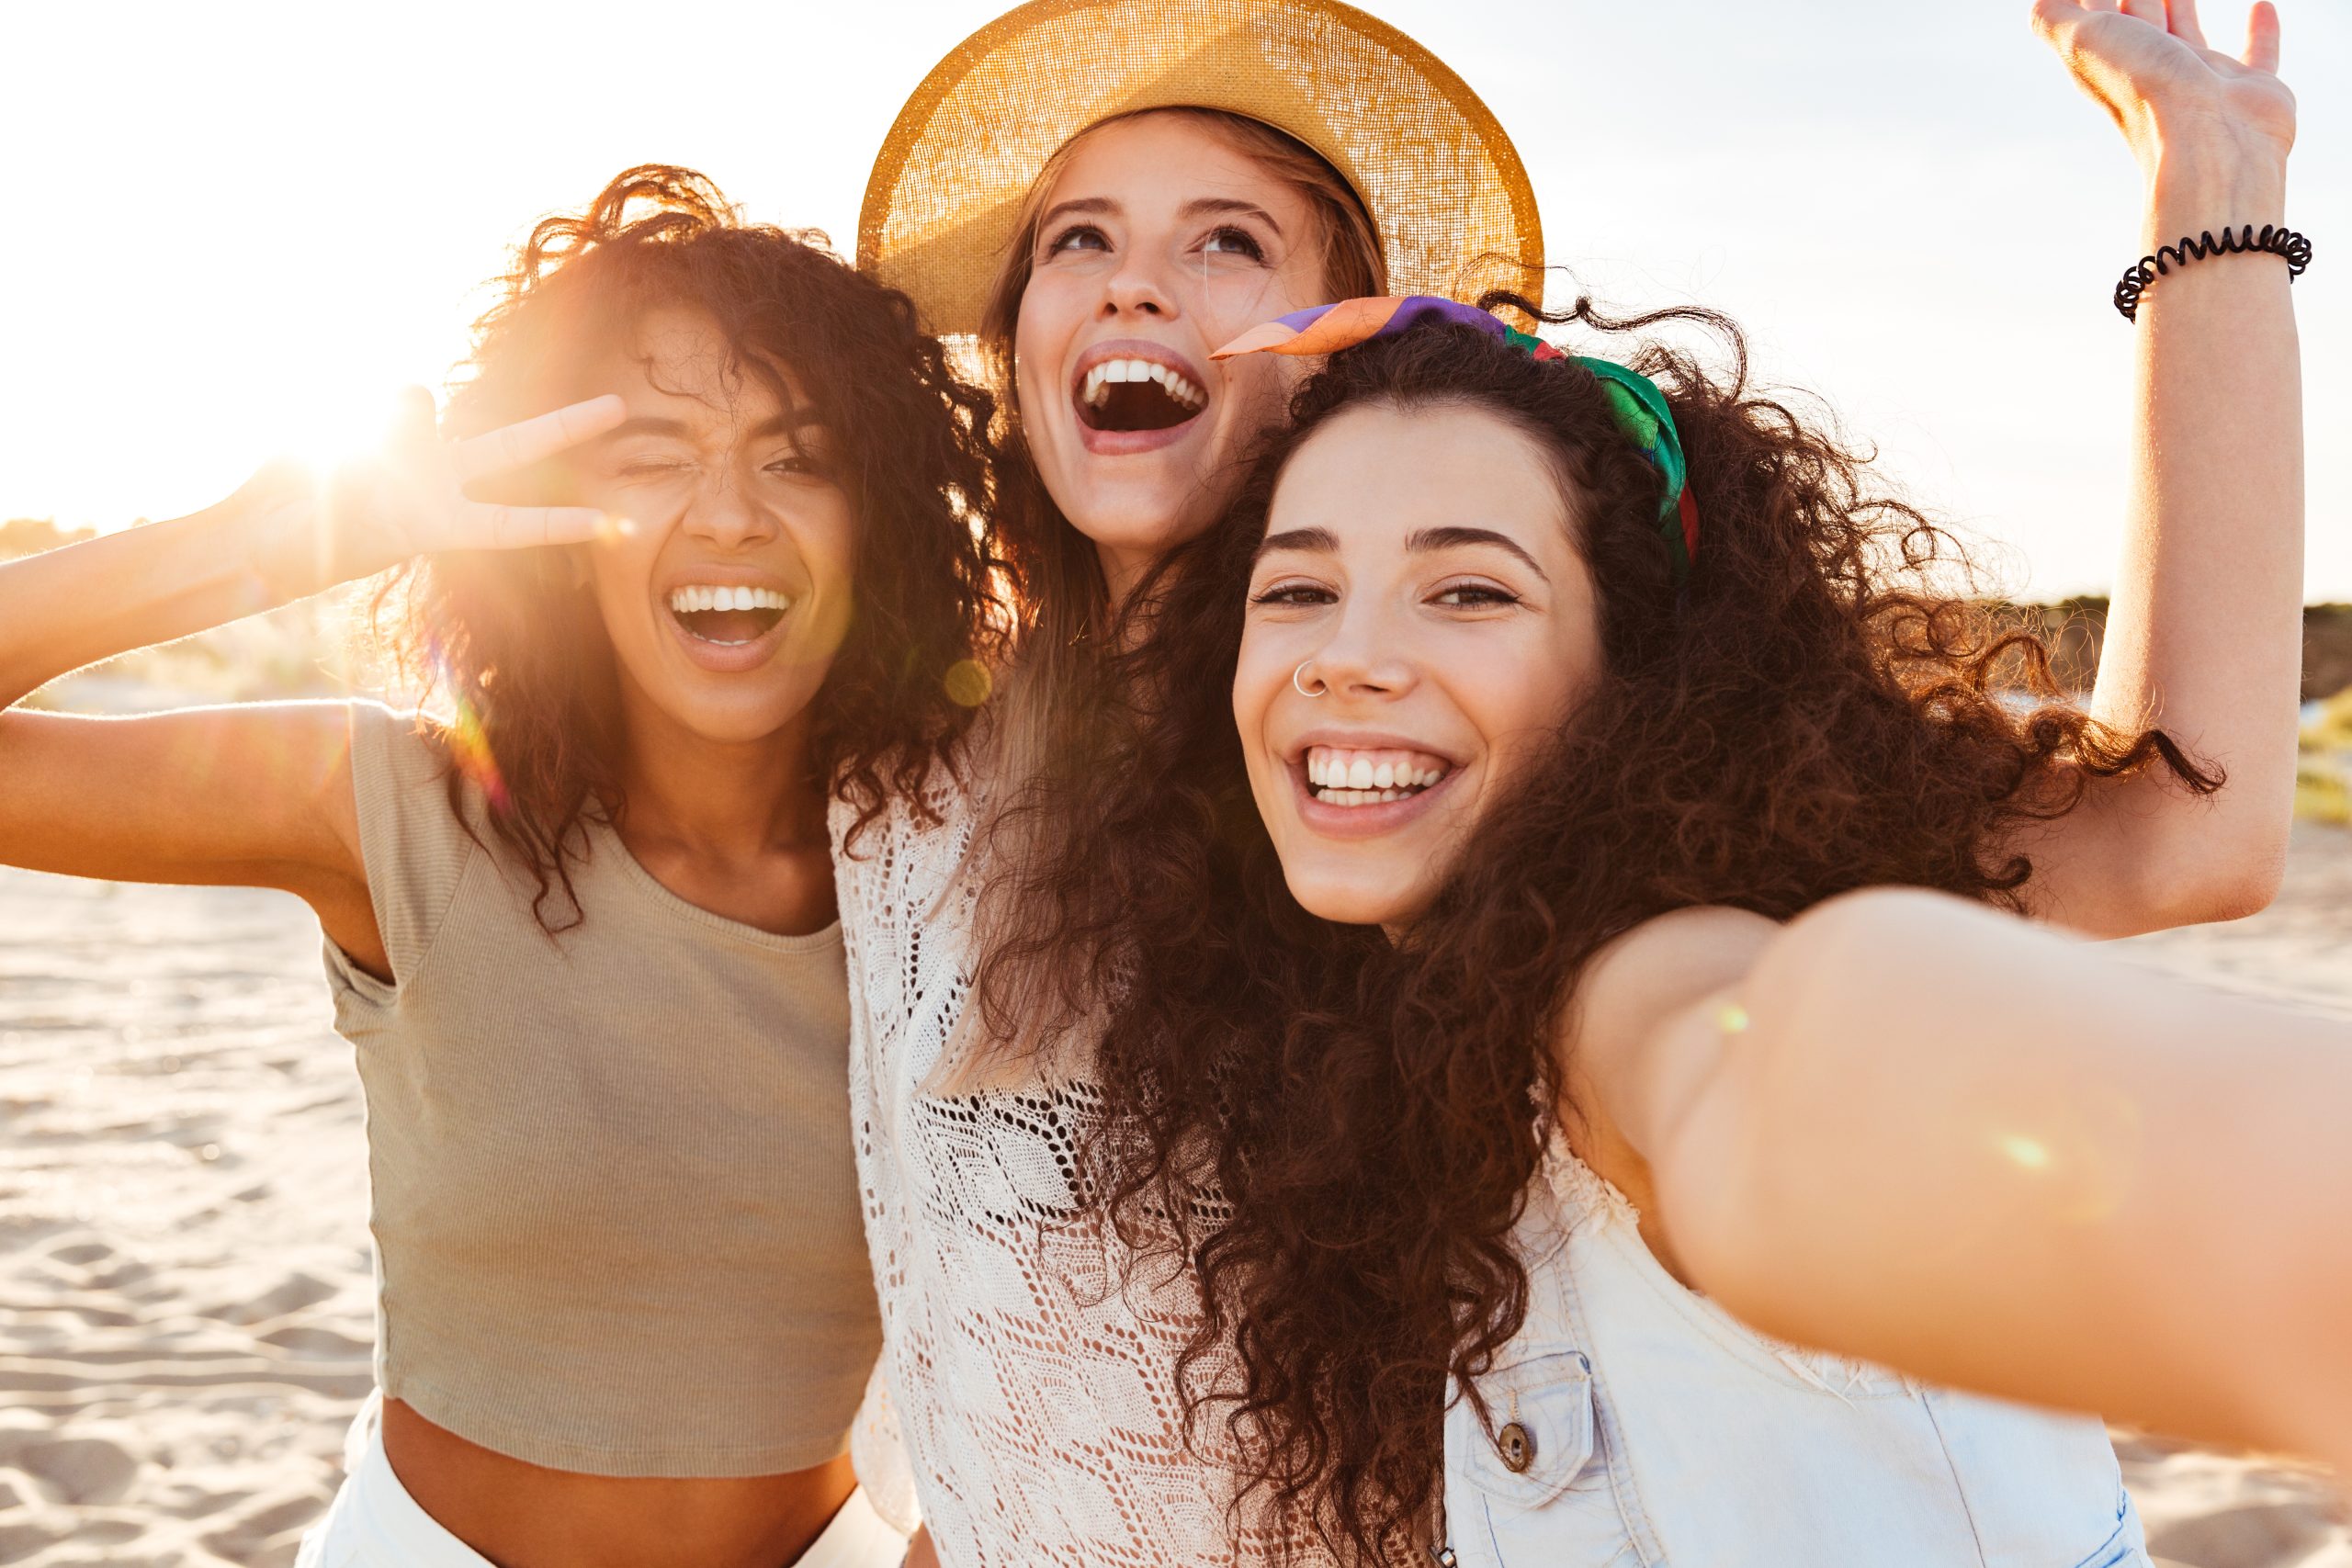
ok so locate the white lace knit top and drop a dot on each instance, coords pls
(1035, 1386)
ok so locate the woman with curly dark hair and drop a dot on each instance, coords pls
(1485, 981)
(581, 925)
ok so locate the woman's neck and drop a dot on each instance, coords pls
(1124, 570)
(719, 799)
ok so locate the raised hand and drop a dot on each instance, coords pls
(2147, 63)
(409, 498)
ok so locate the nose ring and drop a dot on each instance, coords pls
(1298, 685)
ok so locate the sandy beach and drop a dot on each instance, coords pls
(184, 1303)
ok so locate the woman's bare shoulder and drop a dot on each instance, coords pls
(1665, 963)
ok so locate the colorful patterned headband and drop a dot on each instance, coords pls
(1639, 407)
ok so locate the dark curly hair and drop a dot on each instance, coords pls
(513, 643)
(1337, 1133)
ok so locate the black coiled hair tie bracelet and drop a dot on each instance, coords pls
(2275, 240)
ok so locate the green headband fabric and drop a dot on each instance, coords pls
(1638, 407)
(1642, 414)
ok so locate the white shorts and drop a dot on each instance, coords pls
(374, 1523)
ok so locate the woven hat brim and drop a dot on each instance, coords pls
(1445, 185)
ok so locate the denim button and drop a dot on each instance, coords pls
(1539, 1437)
(1517, 1446)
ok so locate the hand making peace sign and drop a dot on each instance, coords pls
(409, 498)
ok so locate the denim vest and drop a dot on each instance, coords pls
(1634, 1423)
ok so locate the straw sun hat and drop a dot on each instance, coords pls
(1442, 183)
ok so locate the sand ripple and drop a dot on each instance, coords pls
(185, 1313)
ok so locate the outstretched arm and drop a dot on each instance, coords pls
(2204, 636)
(1940, 1138)
(255, 793)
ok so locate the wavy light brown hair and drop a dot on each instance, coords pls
(1061, 687)
(1337, 1135)
(513, 641)
(1065, 601)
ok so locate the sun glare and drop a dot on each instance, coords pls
(337, 425)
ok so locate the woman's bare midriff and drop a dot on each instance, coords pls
(524, 1515)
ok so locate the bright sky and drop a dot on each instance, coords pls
(231, 221)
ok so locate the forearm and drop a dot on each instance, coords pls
(71, 607)
(1998, 1159)
(2204, 634)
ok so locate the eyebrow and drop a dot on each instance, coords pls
(792, 422)
(1091, 205)
(644, 424)
(1420, 542)
(1198, 206)
(804, 417)
(1210, 205)
(1453, 538)
(1295, 539)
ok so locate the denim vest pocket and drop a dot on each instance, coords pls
(1539, 1416)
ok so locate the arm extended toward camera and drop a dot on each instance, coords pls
(1912, 1130)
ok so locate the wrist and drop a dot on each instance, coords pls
(2199, 161)
(2194, 188)
(265, 556)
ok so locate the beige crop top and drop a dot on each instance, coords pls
(614, 1199)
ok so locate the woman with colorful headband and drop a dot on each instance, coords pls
(1106, 192)
(582, 935)
(1595, 718)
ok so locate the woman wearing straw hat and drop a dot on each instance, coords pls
(1104, 191)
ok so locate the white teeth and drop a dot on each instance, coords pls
(1093, 391)
(716, 596)
(1341, 778)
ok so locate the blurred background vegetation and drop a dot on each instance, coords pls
(2323, 766)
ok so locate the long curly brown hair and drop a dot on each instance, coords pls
(513, 641)
(1337, 1132)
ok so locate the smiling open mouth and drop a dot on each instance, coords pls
(1338, 777)
(729, 617)
(1138, 394)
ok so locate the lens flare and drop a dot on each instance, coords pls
(968, 682)
(2028, 1154)
(469, 747)
(468, 738)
